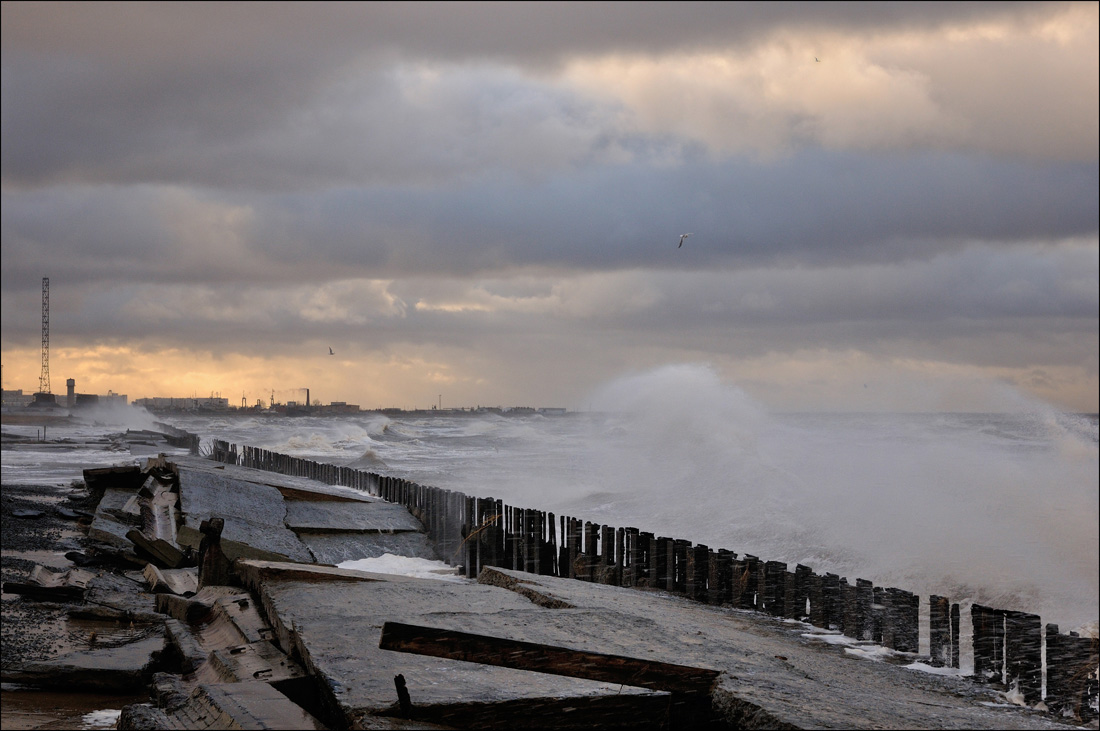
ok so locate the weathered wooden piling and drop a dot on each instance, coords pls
(697, 572)
(989, 633)
(830, 601)
(680, 551)
(643, 573)
(1071, 674)
(720, 581)
(750, 580)
(799, 595)
(775, 588)
(940, 646)
(859, 623)
(1023, 654)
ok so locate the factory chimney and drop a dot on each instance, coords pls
(70, 385)
(307, 398)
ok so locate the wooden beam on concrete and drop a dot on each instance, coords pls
(520, 655)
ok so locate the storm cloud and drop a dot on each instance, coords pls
(488, 197)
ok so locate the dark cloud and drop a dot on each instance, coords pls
(464, 182)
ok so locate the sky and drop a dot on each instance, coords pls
(893, 206)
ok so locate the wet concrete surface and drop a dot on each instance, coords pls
(767, 664)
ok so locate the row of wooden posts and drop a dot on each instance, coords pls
(472, 533)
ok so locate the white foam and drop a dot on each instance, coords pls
(107, 718)
(420, 568)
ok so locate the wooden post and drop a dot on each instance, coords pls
(549, 565)
(988, 640)
(801, 594)
(605, 574)
(633, 556)
(775, 588)
(719, 583)
(680, 549)
(643, 573)
(214, 567)
(1023, 654)
(862, 601)
(830, 596)
(939, 631)
(750, 583)
(815, 590)
(697, 571)
(573, 545)
(670, 565)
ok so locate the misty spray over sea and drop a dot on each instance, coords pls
(997, 508)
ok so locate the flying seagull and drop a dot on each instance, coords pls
(682, 237)
(817, 59)
(330, 351)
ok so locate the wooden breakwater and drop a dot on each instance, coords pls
(473, 533)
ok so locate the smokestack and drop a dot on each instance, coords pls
(71, 386)
(307, 398)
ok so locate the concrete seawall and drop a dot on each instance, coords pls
(1008, 647)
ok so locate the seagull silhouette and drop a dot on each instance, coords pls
(330, 351)
(682, 237)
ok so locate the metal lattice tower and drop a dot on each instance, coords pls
(44, 379)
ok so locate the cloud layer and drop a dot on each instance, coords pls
(488, 197)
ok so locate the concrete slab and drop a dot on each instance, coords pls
(294, 488)
(231, 706)
(349, 517)
(336, 628)
(205, 493)
(772, 675)
(254, 515)
(125, 669)
(336, 548)
(116, 515)
(768, 665)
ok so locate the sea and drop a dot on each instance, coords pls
(996, 508)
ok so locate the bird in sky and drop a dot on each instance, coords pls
(330, 351)
(682, 237)
(817, 59)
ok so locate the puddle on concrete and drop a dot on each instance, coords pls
(36, 709)
(88, 634)
(52, 559)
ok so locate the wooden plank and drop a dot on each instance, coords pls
(520, 655)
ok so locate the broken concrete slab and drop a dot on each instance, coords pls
(124, 669)
(339, 547)
(313, 618)
(185, 649)
(254, 573)
(254, 516)
(191, 538)
(349, 517)
(184, 582)
(159, 551)
(254, 661)
(58, 586)
(195, 608)
(771, 674)
(232, 705)
(116, 514)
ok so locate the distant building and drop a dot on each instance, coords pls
(16, 398)
(339, 407)
(74, 399)
(162, 403)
